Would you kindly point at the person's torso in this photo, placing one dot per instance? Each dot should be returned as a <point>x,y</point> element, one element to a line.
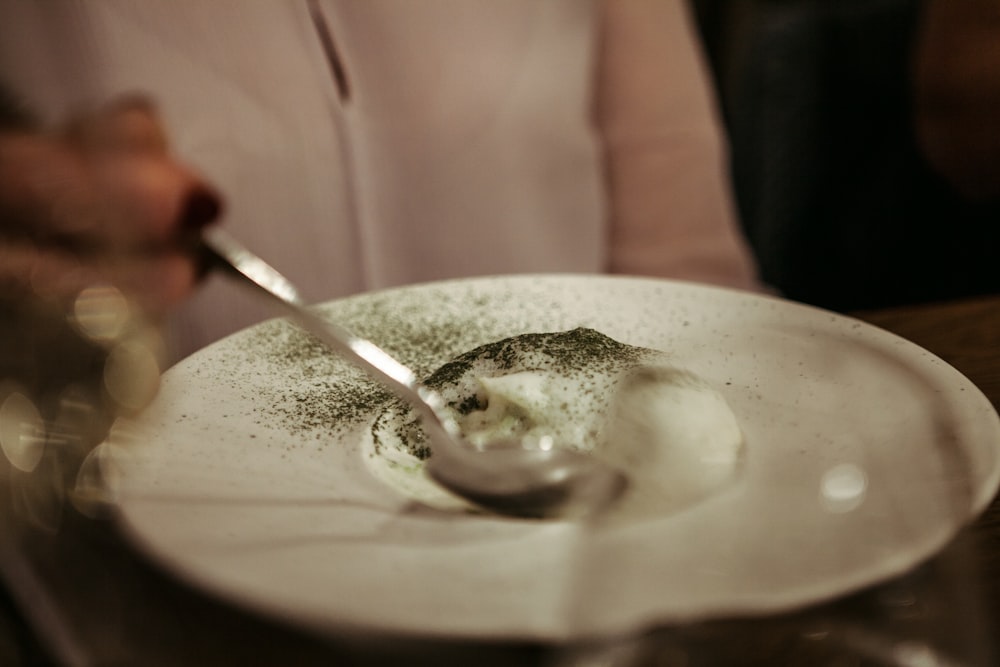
<point>458,141</point>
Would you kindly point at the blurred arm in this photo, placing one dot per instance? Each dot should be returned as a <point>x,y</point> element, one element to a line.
<point>671,207</point>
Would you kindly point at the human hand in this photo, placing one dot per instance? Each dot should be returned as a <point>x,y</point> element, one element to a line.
<point>87,214</point>
<point>102,202</point>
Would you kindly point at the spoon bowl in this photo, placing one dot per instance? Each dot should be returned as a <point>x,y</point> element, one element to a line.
<point>504,477</point>
<point>528,482</point>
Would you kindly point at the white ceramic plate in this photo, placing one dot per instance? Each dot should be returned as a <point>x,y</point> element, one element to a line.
<point>864,455</point>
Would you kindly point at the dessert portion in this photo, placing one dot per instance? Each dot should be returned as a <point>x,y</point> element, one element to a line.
<point>672,433</point>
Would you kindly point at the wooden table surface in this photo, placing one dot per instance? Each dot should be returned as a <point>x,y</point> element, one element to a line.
<point>101,603</point>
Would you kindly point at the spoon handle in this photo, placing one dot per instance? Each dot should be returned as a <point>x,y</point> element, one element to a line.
<point>220,250</point>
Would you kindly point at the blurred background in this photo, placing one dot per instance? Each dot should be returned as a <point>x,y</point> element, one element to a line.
<point>864,144</point>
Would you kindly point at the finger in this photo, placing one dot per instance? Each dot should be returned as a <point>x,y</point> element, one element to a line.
<point>27,271</point>
<point>155,202</point>
<point>157,283</point>
<point>127,125</point>
<point>133,125</point>
<point>45,190</point>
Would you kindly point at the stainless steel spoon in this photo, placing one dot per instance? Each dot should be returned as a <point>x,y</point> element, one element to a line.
<point>503,477</point>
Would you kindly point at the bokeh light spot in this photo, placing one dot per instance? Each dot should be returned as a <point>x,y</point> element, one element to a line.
<point>91,496</point>
<point>843,488</point>
<point>22,431</point>
<point>101,313</point>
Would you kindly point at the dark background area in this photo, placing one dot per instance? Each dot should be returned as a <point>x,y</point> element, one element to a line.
<point>837,200</point>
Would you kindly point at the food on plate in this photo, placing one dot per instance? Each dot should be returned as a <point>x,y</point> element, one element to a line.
<point>671,432</point>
